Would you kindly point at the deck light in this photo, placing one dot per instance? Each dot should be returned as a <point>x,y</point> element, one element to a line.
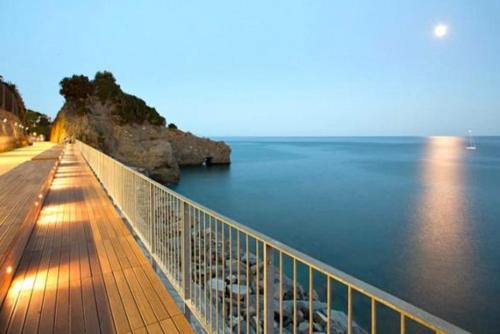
<point>40,196</point>
<point>5,120</point>
<point>9,270</point>
<point>36,203</point>
<point>15,124</point>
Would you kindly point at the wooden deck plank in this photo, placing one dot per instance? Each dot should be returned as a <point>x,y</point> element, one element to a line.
<point>36,303</point>
<point>131,308</point>
<point>167,300</point>
<point>182,324</point>
<point>62,298</point>
<point>154,328</point>
<point>168,326</point>
<point>54,214</point>
<point>117,308</point>
<point>103,305</point>
<point>9,304</point>
<point>26,288</point>
<point>153,298</point>
<point>140,298</point>
<point>89,305</point>
<point>76,307</point>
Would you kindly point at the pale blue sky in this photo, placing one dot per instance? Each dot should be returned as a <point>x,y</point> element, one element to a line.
<point>270,67</point>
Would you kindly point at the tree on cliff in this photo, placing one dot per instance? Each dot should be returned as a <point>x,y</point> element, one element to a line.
<point>76,88</point>
<point>106,86</point>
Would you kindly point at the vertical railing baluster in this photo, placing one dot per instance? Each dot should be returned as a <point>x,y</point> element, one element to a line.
<point>151,220</point>
<point>328,306</point>
<point>373,317</point>
<point>217,275</point>
<point>186,250</point>
<point>281,294</point>
<point>403,323</point>
<point>179,208</point>
<point>238,254</point>
<point>197,260</point>
<point>311,289</point>
<point>191,280</point>
<point>223,257</point>
<point>247,280</point>
<point>257,292</point>
<point>230,249</point>
<point>294,296</point>
<point>210,300</point>
<point>205,265</point>
<point>268,288</point>
<point>170,238</point>
<point>349,310</point>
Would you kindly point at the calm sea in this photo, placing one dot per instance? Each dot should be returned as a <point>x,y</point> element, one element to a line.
<point>417,217</point>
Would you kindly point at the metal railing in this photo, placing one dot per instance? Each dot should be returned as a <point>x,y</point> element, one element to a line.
<point>237,280</point>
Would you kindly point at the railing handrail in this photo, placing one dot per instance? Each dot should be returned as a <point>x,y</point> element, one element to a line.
<point>410,311</point>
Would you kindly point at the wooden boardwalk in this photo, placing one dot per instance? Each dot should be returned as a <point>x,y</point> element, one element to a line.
<point>82,270</point>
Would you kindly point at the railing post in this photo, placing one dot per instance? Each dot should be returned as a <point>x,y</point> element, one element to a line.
<point>268,289</point>
<point>186,251</point>
<point>151,219</point>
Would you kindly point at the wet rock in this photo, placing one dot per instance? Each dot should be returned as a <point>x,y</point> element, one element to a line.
<point>238,292</point>
<point>217,286</point>
<point>250,258</point>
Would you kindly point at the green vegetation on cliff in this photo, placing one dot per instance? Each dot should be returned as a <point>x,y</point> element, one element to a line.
<point>37,123</point>
<point>127,108</point>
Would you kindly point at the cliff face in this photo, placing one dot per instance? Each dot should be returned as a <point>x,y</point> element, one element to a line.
<point>12,113</point>
<point>138,140</point>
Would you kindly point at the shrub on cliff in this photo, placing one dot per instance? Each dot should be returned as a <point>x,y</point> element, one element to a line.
<point>172,126</point>
<point>131,109</point>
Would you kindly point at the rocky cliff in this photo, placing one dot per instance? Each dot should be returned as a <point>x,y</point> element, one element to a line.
<point>100,114</point>
<point>12,112</point>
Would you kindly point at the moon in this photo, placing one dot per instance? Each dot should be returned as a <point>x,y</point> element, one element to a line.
<point>441,30</point>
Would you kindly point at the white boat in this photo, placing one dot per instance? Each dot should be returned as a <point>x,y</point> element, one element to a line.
<point>470,144</point>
